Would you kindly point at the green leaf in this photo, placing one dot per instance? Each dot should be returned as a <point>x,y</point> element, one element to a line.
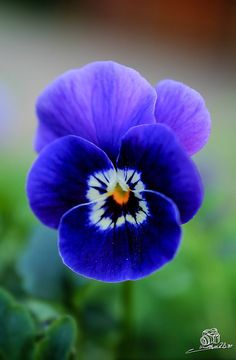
<point>42,311</point>
<point>17,330</point>
<point>59,342</point>
<point>42,271</point>
<point>40,266</point>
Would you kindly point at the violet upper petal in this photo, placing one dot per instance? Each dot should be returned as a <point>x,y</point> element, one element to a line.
<point>98,102</point>
<point>184,111</point>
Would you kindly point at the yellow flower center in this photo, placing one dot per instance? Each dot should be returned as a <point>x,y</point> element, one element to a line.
<point>120,196</point>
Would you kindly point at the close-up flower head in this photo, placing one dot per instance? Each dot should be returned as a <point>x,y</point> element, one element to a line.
<point>113,172</point>
<point>117,211</point>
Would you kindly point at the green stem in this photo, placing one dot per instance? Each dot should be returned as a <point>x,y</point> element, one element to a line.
<point>124,348</point>
<point>127,300</point>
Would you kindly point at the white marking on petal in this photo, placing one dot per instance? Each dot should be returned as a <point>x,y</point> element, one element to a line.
<point>130,219</point>
<point>105,223</point>
<point>109,180</point>
<point>121,179</point>
<point>138,195</point>
<point>135,178</point>
<point>112,185</point>
<point>98,205</point>
<point>143,206</point>
<point>140,217</point>
<point>111,175</point>
<point>120,221</point>
<point>95,215</point>
<point>139,186</point>
<point>100,176</point>
<point>93,182</point>
<point>121,174</point>
<point>93,194</point>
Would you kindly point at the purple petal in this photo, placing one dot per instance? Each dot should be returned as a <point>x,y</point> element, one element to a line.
<point>154,151</point>
<point>58,180</point>
<point>98,102</point>
<point>120,253</point>
<point>184,111</point>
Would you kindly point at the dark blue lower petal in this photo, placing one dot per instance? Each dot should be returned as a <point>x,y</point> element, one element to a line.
<point>58,180</point>
<point>155,152</point>
<point>120,253</point>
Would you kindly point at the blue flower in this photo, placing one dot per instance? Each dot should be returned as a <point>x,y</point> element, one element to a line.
<point>116,182</point>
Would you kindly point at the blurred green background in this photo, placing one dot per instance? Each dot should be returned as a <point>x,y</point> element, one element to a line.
<point>46,312</point>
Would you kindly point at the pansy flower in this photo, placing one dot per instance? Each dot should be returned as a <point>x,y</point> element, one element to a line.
<point>113,173</point>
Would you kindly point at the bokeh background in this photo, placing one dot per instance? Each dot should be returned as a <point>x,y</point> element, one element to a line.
<point>46,312</point>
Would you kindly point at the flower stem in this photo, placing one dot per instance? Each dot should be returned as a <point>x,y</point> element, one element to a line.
<point>127,299</point>
<point>124,348</point>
